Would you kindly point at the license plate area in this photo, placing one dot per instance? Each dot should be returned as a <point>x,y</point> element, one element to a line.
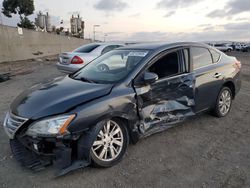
<point>63,61</point>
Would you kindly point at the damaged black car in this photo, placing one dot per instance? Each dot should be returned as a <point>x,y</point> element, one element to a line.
<point>91,116</point>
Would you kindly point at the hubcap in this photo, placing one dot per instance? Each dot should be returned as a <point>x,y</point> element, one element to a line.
<point>225,102</point>
<point>109,142</point>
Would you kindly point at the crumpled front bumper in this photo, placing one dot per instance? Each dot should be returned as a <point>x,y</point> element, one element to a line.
<point>37,153</point>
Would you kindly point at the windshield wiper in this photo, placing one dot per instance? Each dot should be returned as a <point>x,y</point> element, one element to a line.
<point>86,80</point>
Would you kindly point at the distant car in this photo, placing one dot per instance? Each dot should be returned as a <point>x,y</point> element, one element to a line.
<point>72,61</point>
<point>223,47</point>
<point>239,47</point>
<point>92,115</point>
<point>246,48</point>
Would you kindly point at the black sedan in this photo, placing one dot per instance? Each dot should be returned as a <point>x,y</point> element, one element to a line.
<point>92,115</point>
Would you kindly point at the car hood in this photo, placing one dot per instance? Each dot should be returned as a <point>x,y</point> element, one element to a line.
<point>56,96</point>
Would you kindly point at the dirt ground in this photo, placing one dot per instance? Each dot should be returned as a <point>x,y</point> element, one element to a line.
<point>203,152</point>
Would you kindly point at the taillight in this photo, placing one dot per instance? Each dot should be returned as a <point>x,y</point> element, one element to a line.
<point>76,60</point>
<point>238,64</point>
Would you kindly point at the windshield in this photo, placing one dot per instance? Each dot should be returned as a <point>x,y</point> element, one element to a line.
<point>111,67</point>
<point>86,48</point>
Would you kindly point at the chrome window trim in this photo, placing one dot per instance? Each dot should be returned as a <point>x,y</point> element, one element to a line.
<point>172,77</point>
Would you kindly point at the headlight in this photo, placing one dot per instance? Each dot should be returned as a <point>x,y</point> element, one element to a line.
<point>50,127</point>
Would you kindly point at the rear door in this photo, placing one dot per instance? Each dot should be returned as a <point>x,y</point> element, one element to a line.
<point>209,78</point>
<point>171,98</point>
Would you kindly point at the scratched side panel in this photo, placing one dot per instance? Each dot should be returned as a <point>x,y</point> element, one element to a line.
<point>165,103</point>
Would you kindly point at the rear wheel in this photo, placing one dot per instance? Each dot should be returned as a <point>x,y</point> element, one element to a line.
<point>223,103</point>
<point>103,68</point>
<point>110,144</point>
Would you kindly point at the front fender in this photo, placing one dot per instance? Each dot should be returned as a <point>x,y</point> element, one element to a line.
<point>119,103</point>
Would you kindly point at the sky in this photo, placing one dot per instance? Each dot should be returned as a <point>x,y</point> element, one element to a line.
<point>158,20</point>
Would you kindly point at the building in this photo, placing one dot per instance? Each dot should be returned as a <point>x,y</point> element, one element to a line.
<point>43,22</point>
<point>77,26</point>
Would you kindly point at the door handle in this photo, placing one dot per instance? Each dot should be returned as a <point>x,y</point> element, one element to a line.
<point>217,75</point>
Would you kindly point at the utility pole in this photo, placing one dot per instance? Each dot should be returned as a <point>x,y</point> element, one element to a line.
<point>104,37</point>
<point>94,26</point>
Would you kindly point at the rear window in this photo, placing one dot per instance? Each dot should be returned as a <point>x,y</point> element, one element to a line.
<point>201,57</point>
<point>86,48</point>
<point>215,55</point>
<point>109,48</point>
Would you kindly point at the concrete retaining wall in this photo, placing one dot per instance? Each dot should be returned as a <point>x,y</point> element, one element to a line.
<point>15,46</point>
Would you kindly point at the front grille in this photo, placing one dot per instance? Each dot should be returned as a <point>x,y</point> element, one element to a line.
<point>12,123</point>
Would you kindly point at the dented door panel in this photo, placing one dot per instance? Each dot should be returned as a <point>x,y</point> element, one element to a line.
<point>165,102</point>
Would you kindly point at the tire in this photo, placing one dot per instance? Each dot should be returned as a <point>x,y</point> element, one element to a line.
<point>108,148</point>
<point>103,67</point>
<point>229,50</point>
<point>223,102</point>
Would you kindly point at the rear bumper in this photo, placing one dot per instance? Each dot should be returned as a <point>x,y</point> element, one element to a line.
<point>70,68</point>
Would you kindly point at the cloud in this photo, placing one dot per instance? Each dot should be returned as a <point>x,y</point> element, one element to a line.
<point>74,12</point>
<point>238,6</point>
<point>145,36</point>
<point>242,26</point>
<point>135,15</point>
<point>232,8</point>
<point>169,14</point>
<point>168,4</point>
<point>207,27</point>
<point>219,13</point>
<point>242,19</point>
<point>229,32</point>
<point>110,5</point>
<point>105,23</point>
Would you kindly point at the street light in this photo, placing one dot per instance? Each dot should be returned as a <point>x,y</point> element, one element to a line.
<point>94,26</point>
<point>104,37</point>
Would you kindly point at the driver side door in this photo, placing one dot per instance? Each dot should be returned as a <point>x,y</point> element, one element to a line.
<point>171,98</point>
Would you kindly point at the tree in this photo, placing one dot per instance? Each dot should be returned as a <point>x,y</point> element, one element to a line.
<point>22,7</point>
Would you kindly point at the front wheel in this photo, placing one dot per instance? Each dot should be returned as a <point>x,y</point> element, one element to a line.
<point>223,103</point>
<point>110,144</point>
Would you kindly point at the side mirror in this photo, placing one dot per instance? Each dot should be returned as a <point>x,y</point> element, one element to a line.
<point>150,77</point>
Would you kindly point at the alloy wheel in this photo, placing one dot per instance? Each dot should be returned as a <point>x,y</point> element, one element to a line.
<point>225,102</point>
<point>109,142</point>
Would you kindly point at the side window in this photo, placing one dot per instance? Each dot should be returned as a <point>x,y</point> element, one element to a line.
<point>201,57</point>
<point>215,55</point>
<point>108,48</point>
<point>166,66</point>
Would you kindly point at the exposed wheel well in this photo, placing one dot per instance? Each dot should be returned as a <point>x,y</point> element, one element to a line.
<point>133,137</point>
<point>231,86</point>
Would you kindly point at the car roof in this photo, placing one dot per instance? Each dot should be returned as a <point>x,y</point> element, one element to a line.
<point>108,43</point>
<point>157,46</point>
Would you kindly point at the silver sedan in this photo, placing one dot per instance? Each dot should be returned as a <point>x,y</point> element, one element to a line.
<point>72,61</point>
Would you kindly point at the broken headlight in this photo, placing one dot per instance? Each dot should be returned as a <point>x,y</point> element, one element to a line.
<point>51,126</point>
